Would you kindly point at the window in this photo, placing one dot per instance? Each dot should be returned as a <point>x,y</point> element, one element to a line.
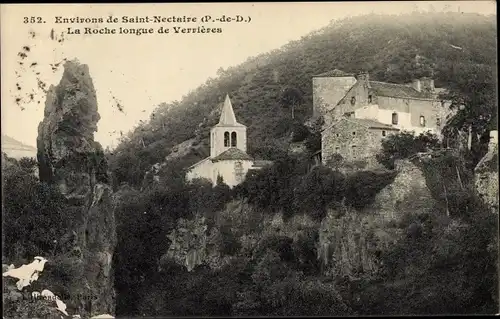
<point>394,118</point>
<point>353,100</point>
<point>226,139</point>
<point>233,139</point>
<point>370,99</point>
<point>354,151</point>
<point>438,122</point>
<point>383,133</point>
<point>353,133</point>
<point>337,135</point>
<point>337,149</point>
<point>348,114</point>
<point>422,120</point>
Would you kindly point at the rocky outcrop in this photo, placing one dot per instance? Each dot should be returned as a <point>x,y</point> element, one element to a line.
<point>192,245</point>
<point>350,243</point>
<point>408,192</point>
<point>486,174</point>
<point>239,225</point>
<point>69,158</point>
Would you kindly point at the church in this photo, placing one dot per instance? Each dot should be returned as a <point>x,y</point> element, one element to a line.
<point>228,152</point>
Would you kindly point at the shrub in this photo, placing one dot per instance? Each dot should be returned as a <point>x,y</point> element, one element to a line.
<point>300,132</point>
<point>404,145</point>
<point>362,187</point>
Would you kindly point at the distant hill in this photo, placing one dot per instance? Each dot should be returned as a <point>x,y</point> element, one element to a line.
<point>15,149</point>
<point>445,46</point>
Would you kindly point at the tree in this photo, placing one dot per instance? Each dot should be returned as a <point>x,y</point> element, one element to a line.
<point>291,97</point>
<point>35,214</point>
<point>28,163</point>
<point>404,145</point>
<point>472,95</point>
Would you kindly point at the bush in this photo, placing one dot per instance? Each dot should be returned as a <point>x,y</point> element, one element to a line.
<point>300,132</point>
<point>362,187</point>
<point>317,190</point>
<point>404,145</point>
<point>230,243</point>
<point>35,214</point>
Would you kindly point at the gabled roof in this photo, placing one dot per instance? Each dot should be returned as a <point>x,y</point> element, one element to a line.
<point>232,153</point>
<point>227,117</point>
<point>396,90</point>
<point>334,73</point>
<point>364,122</point>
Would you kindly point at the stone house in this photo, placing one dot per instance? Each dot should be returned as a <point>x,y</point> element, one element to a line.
<point>415,107</point>
<point>228,152</point>
<point>356,140</point>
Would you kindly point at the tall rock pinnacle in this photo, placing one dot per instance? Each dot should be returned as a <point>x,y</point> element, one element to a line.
<point>69,157</point>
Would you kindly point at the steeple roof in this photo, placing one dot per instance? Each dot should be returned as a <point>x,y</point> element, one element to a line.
<point>227,117</point>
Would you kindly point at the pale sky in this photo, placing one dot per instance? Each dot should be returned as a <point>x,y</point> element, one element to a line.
<point>143,71</point>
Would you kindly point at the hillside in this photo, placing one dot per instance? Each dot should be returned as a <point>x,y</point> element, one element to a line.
<point>453,48</point>
<point>15,149</point>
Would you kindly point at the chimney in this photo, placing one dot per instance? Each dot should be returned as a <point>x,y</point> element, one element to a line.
<point>416,85</point>
<point>427,85</point>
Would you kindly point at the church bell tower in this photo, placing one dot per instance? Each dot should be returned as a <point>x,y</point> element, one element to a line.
<point>228,133</point>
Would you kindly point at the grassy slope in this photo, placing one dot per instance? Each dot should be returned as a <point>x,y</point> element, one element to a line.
<point>385,46</point>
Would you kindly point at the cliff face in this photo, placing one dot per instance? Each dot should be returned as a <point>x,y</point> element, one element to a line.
<point>350,245</point>
<point>408,192</point>
<point>69,157</point>
<point>486,175</point>
<point>194,243</point>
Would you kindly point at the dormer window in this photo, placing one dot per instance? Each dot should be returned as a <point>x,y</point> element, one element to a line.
<point>353,100</point>
<point>395,118</point>
<point>370,99</point>
<point>422,121</point>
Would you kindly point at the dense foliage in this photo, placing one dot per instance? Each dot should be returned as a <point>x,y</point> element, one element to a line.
<point>405,145</point>
<point>442,265</point>
<point>289,186</point>
<point>34,212</point>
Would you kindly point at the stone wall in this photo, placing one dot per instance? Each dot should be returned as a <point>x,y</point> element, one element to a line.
<point>360,93</point>
<point>327,92</point>
<point>339,139</point>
